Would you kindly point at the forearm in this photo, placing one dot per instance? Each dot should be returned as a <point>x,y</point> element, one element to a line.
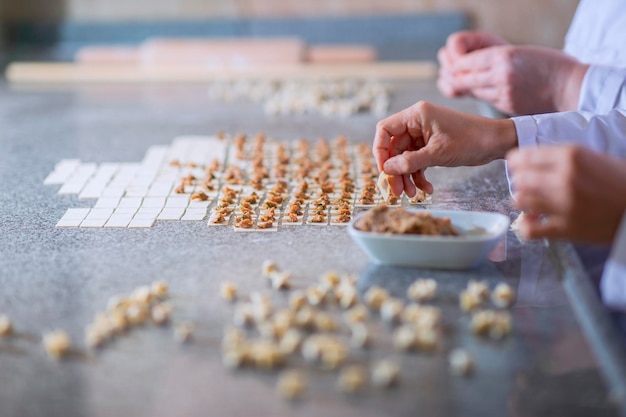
<point>568,87</point>
<point>502,137</point>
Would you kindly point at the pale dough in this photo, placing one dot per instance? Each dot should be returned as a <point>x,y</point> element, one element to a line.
<point>383,186</point>
<point>515,224</point>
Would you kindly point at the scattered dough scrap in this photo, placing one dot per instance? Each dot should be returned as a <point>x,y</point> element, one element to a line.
<point>357,314</point>
<point>159,289</point>
<point>503,295</point>
<point>474,295</point>
<point>56,343</point>
<point>422,290</point>
<point>265,354</point>
<point>359,335</point>
<point>161,313</point>
<point>385,373</point>
<point>276,330</point>
<point>268,267</point>
<point>461,363</point>
<point>374,297</point>
<point>495,325</point>
<point>291,385</point>
<point>183,332</point>
<point>352,379</point>
<point>6,326</point>
<point>391,310</point>
<point>228,291</point>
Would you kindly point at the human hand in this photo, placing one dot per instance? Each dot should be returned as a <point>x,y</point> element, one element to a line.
<point>580,194</point>
<point>514,79</point>
<point>457,45</point>
<point>426,135</point>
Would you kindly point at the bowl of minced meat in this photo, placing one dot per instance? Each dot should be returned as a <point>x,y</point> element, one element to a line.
<point>440,239</point>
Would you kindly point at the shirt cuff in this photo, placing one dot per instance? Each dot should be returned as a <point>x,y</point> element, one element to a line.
<point>526,128</point>
<point>600,88</point>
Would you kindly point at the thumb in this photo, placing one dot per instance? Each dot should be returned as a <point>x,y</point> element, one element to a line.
<point>462,43</point>
<point>409,162</point>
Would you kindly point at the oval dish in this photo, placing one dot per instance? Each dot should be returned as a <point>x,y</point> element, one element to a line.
<point>438,252</point>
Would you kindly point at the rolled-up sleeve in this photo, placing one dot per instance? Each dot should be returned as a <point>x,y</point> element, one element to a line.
<point>603,89</point>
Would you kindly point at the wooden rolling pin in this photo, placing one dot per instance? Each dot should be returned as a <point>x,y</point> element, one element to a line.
<point>24,72</point>
<point>218,53</point>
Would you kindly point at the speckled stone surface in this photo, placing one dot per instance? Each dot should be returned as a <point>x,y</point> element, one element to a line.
<point>59,278</point>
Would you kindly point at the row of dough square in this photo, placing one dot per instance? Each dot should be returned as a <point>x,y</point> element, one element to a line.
<point>248,183</point>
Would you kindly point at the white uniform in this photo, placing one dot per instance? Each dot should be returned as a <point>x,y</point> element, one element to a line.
<point>597,36</point>
<point>604,133</point>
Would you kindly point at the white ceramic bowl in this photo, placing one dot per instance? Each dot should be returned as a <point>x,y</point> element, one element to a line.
<point>438,252</point>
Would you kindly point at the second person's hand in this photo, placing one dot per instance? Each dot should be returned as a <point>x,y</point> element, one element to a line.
<point>580,194</point>
<point>520,79</point>
<point>457,45</point>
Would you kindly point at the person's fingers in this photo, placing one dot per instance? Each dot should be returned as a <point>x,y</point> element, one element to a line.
<point>444,57</point>
<point>380,147</point>
<point>544,157</point>
<point>420,181</point>
<point>537,186</point>
<point>539,200</point>
<point>491,95</point>
<point>479,60</point>
<point>445,88</point>
<point>551,227</point>
<point>458,44</point>
<point>519,158</point>
<point>448,85</point>
<point>532,179</point>
<point>397,126</point>
<point>463,42</point>
<point>407,185</point>
<point>409,162</point>
<point>475,80</point>
<point>531,216</point>
<point>399,144</point>
<point>382,139</point>
<point>399,164</point>
<point>396,184</point>
<point>455,44</point>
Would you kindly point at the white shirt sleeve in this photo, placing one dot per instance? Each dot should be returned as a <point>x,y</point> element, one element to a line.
<point>596,34</point>
<point>603,89</point>
<point>613,282</point>
<point>602,133</point>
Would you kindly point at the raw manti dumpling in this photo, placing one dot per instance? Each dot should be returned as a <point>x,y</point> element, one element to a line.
<point>516,223</point>
<point>383,186</point>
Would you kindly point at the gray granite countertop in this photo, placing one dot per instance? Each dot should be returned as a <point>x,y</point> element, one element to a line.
<point>59,278</point>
